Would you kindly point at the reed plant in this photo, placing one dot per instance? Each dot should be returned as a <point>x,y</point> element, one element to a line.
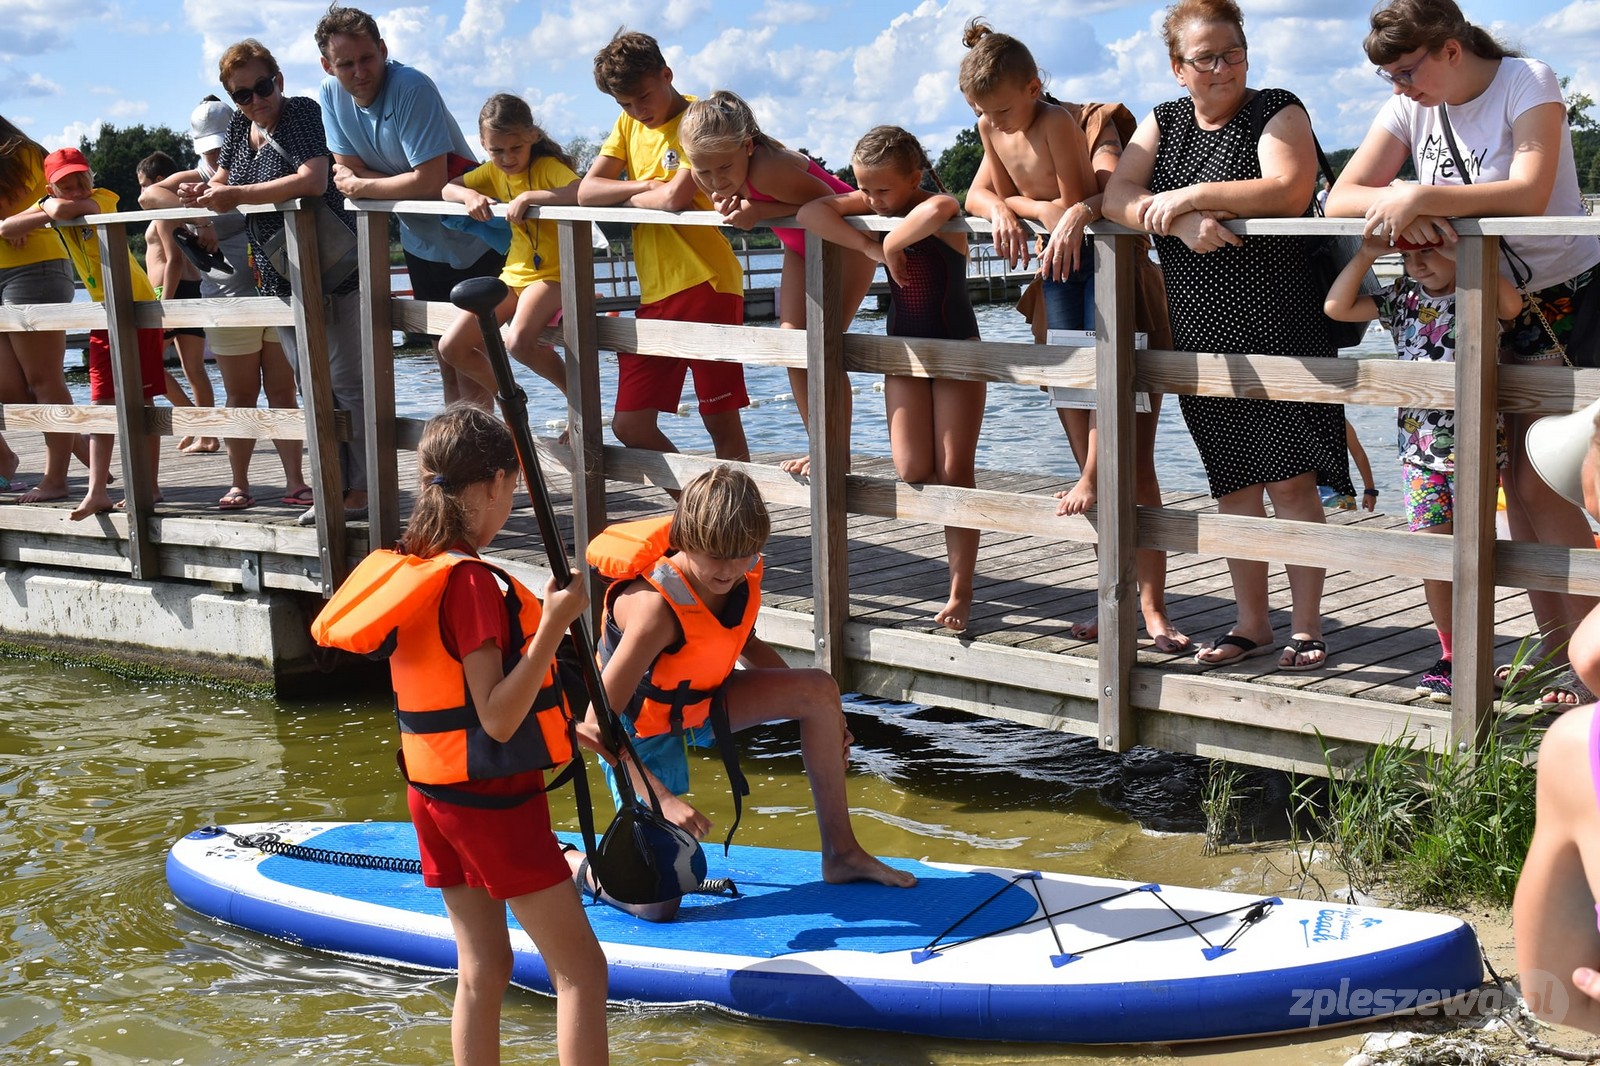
<point>1433,827</point>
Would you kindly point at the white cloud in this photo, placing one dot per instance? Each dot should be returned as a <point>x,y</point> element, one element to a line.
<point>788,13</point>
<point>72,135</point>
<point>123,110</point>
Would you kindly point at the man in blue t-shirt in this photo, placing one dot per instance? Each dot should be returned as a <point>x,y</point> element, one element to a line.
<point>393,139</point>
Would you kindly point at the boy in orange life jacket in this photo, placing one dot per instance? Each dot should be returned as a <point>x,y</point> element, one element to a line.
<point>690,615</point>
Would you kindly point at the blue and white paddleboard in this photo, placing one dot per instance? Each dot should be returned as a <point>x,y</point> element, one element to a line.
<point>976,952</point>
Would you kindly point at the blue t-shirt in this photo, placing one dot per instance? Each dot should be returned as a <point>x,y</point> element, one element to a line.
<point>407,125</point>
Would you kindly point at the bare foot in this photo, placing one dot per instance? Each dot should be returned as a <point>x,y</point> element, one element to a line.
<point>185,444</point>
<point>859,866</point>
<point>202,445</point>
<point>43,494</point>
<point>1166,635</point>
<point>8,463</point>
<point>954,617</point>
<point>1089,630</point>
<point>93,503</point>
<point>1075,500</point>
<point>800,467</point>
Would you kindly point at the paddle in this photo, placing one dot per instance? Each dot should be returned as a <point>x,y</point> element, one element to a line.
<point>643,858</point>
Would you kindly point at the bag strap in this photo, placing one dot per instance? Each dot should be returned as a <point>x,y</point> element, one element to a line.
<point>1258,125</point>
<point>1520,274</point>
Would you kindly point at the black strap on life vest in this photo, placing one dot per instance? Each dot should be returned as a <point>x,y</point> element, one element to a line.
<point>722,730</point>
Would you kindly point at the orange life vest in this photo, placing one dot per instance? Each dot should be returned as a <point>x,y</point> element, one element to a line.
<point>676,691</point>
<point>389,607</point>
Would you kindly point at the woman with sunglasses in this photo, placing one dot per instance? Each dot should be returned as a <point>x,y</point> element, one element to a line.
<point>1452,81</point>
<point>1228,151</point>
<point>275,150</point>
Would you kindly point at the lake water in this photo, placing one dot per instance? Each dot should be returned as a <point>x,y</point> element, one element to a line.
<point>99,774</point>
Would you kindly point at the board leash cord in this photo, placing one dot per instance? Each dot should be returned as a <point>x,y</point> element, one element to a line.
<point>273,844</point>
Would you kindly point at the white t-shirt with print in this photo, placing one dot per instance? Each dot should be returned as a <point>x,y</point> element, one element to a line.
<point>1483,136</point>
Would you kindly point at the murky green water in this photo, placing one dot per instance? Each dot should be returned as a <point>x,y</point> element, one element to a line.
<point>99,775</point>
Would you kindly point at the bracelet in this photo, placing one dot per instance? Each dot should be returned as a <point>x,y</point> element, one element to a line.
<point>1093,214</point>
<point>1370,492</point>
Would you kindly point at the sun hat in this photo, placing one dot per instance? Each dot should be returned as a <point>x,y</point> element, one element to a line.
<point>63,161</point>
<point>1557,446</point>
<point>208,124</point>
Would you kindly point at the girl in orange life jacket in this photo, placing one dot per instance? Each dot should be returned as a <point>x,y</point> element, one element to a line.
<point>716,535</point>
<point>484,858</point>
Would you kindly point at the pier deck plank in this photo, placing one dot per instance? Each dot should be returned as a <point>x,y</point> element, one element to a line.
<point>1029,590</point>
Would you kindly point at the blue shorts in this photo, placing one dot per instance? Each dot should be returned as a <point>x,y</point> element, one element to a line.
<point>666,756</point>
<point>1069,304</point>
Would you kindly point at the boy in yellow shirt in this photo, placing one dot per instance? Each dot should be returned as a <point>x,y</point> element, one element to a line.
<point>686,273</point>
<point>73,195</point>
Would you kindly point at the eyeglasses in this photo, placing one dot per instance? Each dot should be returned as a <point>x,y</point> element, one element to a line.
<point>263,88</point>
<point>1208,63</point>
<point>1402,78</point>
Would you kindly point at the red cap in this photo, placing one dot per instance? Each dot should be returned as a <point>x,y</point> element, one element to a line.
<point>63,161</point>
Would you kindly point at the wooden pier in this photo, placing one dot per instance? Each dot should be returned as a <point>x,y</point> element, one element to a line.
<point>856,561</point>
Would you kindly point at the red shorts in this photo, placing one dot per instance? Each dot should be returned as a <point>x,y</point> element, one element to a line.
<point>655,383</point>
<point>507,853</point>
<point>152,371</point>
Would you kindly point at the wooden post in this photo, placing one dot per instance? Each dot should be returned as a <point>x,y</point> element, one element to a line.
<point>377,378</point>
<point>316,387</point>
<point>828,396</point>
<point>583,387</point>
<point>1115,517</point>
<point>1477,386</point>
<point>138,488</point>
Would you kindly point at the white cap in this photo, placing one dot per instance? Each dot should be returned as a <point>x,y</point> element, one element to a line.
<point>1557,446</point>
<point>208,124</point>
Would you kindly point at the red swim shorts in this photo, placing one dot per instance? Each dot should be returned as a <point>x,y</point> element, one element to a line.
<point>655,383</point>
<point>507,853</point>
<point>102,387</point>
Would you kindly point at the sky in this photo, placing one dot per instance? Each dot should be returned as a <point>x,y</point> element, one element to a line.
<point>818,74</point>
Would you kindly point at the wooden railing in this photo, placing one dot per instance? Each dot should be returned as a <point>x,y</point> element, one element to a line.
<point>1120,703</point>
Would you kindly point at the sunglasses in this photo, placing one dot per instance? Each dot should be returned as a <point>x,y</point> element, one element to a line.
<point>263,88</point>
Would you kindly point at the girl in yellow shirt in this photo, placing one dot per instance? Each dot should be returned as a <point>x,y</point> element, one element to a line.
<point>526,169</point>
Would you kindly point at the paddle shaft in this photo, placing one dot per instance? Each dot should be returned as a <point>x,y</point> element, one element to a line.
<point>481,296</point>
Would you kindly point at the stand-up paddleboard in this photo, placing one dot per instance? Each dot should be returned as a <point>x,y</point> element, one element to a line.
<point>974,952</point>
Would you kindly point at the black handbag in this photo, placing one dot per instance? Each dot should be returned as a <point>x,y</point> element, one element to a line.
<point>1327,255</point>
<point>1583,345</point>
<point>336,242</point>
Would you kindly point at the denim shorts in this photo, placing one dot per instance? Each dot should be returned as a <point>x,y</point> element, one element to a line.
<point>49,282</point>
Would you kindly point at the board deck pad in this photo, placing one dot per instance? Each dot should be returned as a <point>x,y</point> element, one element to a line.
<point>971,952</point>
<point>783,905</point>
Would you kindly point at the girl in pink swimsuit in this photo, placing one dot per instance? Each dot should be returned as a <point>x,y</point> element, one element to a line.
<point>752,178</point>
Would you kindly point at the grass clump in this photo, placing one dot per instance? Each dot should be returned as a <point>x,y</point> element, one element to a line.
<point>1437,826</point>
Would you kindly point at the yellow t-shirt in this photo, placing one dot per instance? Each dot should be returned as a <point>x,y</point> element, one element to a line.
<point>41,245</point>
<point>83,248</point>
<point>670,259</point>
<point>534,254</point>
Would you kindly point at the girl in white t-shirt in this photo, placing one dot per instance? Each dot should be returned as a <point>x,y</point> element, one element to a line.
<point>1509,122</point>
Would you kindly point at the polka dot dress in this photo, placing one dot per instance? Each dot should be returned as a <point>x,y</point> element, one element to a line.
<point>1253,299</point>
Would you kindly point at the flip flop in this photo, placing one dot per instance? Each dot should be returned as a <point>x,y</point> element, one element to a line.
<point>301,497</point>
<point>1303,646</point>
<point>1248,649</point>
<point>1509,674</point>
<point>235,500</point>
<point>1566,682</point>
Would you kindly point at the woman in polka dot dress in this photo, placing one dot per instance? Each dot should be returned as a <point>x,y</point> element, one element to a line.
<point>1227,151</point>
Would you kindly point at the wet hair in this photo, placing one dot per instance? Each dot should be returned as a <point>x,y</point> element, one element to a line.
<point>157,166</point>
<point>721,515</point>
<point>461,447</point>
<point>628,58</point>
<point>20,158</point>
<point>508,113</point>
<point>1180,14</point>
<point>1402,26</point>
<point>347,21</point>
<point>993,61</point>
<point>246,51</point>
<point>720,122</point>
<point>893,146</point>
